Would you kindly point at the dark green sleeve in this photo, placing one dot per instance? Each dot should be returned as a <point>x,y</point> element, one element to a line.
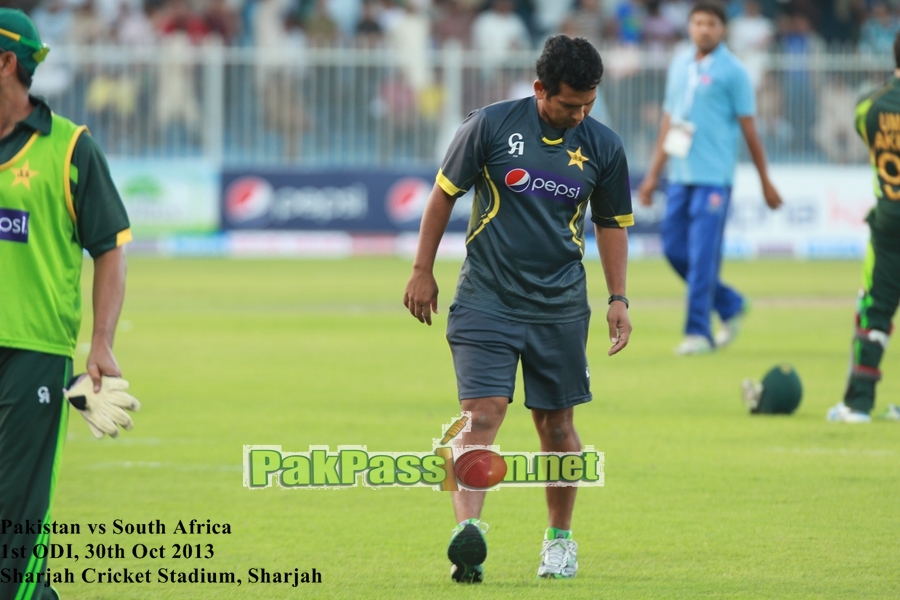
<point>466,155</point>
<point>611,198</point>
<point>99,212</point>
<point>859,119</point>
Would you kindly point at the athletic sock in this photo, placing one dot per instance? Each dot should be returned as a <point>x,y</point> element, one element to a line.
<point>558,534</point>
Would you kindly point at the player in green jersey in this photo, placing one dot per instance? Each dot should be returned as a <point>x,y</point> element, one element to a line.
<point>878,123</point>
<point>57,199</point>
<point>536,164</point>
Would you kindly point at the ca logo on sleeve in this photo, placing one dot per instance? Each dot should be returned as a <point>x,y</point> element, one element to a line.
<point>43,395</point>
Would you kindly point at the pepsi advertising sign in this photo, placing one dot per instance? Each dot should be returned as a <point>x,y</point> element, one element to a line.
<point>363,201</point>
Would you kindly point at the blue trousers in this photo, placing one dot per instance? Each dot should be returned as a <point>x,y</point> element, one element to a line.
<point>692,233</point>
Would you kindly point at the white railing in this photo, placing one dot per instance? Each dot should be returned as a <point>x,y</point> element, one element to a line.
<point>372,107</point>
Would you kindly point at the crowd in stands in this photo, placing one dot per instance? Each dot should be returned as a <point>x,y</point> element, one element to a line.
<point>495,25</point>
<point>801,112</point>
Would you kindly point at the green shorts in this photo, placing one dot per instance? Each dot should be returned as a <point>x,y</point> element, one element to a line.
<point>487,349</point>
<point>33,418</point>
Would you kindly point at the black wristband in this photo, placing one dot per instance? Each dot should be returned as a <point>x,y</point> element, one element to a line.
<point>615,297</point>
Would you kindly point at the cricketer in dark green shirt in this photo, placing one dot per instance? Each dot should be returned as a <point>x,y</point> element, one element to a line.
<point>532,183</point>
<point>878,123</point>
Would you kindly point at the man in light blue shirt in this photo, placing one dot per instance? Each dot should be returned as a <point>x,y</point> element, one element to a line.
<point>709,99</point>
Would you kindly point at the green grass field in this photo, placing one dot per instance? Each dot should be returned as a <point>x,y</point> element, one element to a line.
<point>701,500</point>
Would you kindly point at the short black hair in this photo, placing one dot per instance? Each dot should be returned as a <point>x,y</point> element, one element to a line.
<point>897,50</point>
<point>712,7</point>
<point>573,61</point>
<point>22,74</point>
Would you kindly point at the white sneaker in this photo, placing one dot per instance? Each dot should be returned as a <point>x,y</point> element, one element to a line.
<point>559,559</point>
<point>841,413</point>
<point>751,392</point>
<point>729,330</point>
<point>892,414</point>
<point>693,344</point>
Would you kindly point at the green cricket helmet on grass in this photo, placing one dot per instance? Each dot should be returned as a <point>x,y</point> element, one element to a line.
<point>779,392</point>
<point>19,35</point>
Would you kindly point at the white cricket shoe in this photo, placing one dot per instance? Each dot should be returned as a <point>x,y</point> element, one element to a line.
<point>693,344</point>
<point>892,414</point>
<point>729,330</point>
<point>751,392</point>
<point>559,559</point>
<point>841,413</point>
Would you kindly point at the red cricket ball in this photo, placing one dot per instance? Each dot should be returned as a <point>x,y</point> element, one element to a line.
<point>480,468</point>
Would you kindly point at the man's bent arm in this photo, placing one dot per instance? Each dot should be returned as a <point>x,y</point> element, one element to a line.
<point>422,290</point>
<point>612,243</point>
<point>758,154</point>
<point>109,294</point>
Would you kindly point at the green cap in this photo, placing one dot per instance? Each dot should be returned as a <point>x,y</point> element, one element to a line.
<point>18,34</point>
<point>781,391</point>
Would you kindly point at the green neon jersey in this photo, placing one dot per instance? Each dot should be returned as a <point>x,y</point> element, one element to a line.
<point>40,255</point>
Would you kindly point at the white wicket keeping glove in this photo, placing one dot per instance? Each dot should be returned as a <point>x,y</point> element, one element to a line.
<point>102,410</point>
